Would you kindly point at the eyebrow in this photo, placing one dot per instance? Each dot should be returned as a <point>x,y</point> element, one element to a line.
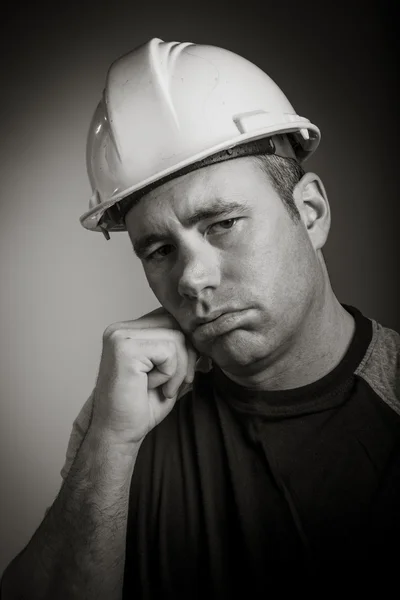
<point>222,208</point>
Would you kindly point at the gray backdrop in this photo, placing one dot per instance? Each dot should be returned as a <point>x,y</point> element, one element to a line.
<point>61,286</point>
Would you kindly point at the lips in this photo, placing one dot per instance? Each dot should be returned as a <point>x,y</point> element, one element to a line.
<point>201,321</point>
<point>222,322</point>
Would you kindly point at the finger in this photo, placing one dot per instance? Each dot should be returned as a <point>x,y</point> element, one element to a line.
<point>165,365</point>
<point>192,359</point>
<point>171,388</point>
<point>165,373</point>
<point>158,318</point>
<point>162,373</point>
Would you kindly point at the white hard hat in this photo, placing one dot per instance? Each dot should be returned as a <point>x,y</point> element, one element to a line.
<point>169,107</point>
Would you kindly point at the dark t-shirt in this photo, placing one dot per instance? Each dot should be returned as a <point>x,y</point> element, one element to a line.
<point>234,484</point>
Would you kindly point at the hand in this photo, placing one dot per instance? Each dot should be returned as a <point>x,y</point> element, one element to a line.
<point>143,365</point>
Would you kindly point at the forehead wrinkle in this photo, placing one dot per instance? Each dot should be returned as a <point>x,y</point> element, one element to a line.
<point>197,187</point>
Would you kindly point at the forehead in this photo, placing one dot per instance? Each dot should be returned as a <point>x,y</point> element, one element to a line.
<point>238,182</point>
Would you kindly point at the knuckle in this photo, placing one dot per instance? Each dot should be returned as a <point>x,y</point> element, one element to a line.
<point>133,340</point>
<point>178,335</point>
<point>140,347</point>
<point>167,349</point>
<point>114,335</point>
<point>171,348</point>
<point>110,331</point>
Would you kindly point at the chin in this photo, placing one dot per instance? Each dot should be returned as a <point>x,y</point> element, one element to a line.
<point>238,348</point>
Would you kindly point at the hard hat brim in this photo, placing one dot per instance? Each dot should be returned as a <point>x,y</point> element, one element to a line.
<point>90,219</point>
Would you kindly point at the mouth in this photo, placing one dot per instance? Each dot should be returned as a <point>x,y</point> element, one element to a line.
<point>218,324</point>
<point>203,321</point>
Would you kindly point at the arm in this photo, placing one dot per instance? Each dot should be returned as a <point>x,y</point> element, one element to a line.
<point>79,549</point>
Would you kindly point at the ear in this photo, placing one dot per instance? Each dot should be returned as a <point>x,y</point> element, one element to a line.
<point>312,203</point>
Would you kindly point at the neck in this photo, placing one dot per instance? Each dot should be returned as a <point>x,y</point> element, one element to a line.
<point>321,344</point>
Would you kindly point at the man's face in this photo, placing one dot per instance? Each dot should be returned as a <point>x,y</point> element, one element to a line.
<point>219,241</point>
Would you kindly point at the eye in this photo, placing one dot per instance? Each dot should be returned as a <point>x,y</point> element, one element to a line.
<point>160,252</point>
<point>224,225</point>
<point>163,251</point>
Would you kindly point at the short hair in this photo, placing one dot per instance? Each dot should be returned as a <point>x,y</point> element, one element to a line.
<point>283,174</point>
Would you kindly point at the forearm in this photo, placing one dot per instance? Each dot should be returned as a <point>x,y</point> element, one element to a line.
<point>79,549</point>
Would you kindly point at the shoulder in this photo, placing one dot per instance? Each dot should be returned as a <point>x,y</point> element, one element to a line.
<point>381,364</point>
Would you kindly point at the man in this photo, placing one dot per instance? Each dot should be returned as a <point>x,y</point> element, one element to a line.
<point>252,422</point>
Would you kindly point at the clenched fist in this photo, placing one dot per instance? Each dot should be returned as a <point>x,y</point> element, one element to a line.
<point>143,365</point>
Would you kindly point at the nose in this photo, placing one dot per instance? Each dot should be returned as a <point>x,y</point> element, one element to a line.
<point>198,269</point>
